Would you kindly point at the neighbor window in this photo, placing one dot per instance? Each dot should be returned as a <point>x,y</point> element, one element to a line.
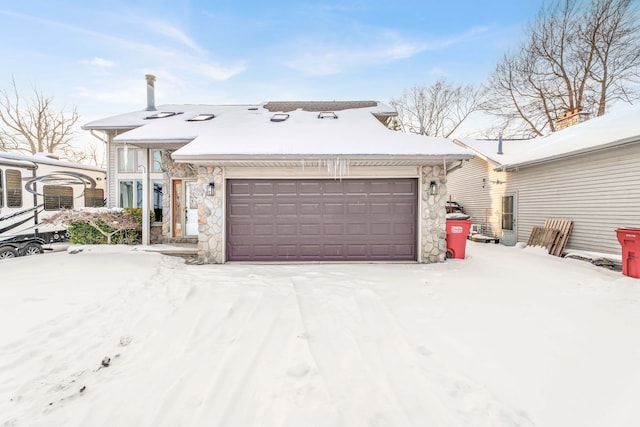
<point>14,188</point>
<point>93,197</point>
<point>57,197</point>
<point>507,213</point>
<point>130,160</point>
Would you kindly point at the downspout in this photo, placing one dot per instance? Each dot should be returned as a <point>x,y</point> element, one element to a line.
<point>456,167</point>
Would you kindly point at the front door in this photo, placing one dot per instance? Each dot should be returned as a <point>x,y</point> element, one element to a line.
<point>509,224</point>
<point>185,209</point>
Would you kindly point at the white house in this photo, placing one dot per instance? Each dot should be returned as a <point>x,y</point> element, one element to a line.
<point>588,173</point>
<point>283,181</point>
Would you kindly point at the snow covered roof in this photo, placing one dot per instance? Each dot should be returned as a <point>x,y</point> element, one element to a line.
<point>488,148</point>
<point>610,130</point>
<point>302,129</point>
<point>32,160</point>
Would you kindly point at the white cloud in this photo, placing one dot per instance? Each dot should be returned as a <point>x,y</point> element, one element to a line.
<point>173,33</point>
<point>101,62</point>
<point>383,46</point>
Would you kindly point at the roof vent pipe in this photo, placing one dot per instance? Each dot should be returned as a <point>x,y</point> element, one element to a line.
<point>151,92</point>
<point>500,144</point>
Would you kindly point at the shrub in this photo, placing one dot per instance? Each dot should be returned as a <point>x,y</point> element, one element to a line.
<point>103,225</point>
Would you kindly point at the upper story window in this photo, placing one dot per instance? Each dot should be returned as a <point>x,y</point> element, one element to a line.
<point>130,160</point>
<point>156,160</point>
<point>14,188</point>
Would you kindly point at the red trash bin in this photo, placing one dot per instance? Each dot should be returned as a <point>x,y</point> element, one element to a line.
<point>629,238</point>
<point>457,232</point>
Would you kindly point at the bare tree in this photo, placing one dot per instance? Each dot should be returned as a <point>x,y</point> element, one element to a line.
<point>574,57</point>
<point>436,110</point>
<point>34,126</point>
<point>92,153</point>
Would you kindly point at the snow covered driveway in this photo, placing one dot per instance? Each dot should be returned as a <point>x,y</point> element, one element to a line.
<point>115,336</point>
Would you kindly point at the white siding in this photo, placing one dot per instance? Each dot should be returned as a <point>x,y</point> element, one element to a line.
<point>479,189</point>
<point>599,192</point>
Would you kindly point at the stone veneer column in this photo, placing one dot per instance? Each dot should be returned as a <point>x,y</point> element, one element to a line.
<point>433,216</point>
<point>210,216</point>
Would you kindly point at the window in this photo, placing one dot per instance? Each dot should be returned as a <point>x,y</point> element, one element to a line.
<point>162,115</point>
<point>156,160</point>
<point>93,197</point>
<point>279,117</point>
<point>1,191</point>
<point>14,188</point>
<point>201,118</point>
<point>507,213</point>
<point>57,197</point>
<point>130,159</point>
<point>157,200</point>
<point>327,115</point>
<point>127,198</point>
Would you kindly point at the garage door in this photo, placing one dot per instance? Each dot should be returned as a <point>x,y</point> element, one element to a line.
<point>321,220</point>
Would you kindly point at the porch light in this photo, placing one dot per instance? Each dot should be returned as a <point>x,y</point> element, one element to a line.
<point>211,189</point>
<point>433,188</point>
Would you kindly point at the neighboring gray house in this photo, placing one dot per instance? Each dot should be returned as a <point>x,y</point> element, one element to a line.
<point>282,181</point>
<point>588,173</point>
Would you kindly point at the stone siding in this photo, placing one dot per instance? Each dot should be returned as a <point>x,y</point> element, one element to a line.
<point>210,217</point>
<point>433,216</point>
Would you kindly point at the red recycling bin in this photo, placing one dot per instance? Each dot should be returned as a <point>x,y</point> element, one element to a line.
<point>629,238</point>
<point>457,232</point>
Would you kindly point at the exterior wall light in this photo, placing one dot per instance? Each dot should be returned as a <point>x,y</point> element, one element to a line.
<point>211,189</point>
<point>433,188</point>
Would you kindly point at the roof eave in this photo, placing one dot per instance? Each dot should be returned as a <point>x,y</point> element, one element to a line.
<point>619,143</point>
<point>358,159</point>
<point>108,128</point>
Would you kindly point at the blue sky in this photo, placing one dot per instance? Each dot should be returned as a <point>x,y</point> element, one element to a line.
<point>94,54</point>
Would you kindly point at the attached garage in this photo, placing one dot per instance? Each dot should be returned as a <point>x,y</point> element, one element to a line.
<point>322,219</point>
<point>288,181</point>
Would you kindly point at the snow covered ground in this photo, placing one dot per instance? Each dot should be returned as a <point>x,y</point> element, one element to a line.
<point>116,336</point>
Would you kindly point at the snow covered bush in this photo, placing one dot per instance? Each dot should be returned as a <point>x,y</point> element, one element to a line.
<point>101,225</point>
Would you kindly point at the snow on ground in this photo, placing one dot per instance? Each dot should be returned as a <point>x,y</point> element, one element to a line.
<point>116,336</point>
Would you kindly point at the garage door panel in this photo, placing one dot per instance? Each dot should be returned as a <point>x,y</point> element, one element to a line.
<point>306,208</point>
<point>310,188</point>
<point>262,189</point>
<point>380,229</point>
<point>264,209</point>
<point>404,208</point>
<point>323,220</point>
<point>287,209</point>
<point>286,188</point>
<point>333,208</point>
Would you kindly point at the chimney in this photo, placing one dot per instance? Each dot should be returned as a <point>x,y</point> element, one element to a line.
<point>151,92</point>
<point>500,144</point>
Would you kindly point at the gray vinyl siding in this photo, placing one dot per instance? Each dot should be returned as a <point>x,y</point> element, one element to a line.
<point>475,186</point>
<point>599,192</point>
